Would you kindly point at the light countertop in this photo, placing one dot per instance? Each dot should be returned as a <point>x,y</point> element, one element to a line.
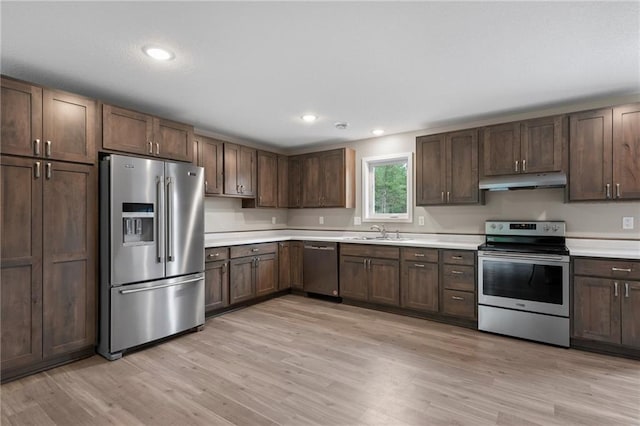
<point>625,249</point>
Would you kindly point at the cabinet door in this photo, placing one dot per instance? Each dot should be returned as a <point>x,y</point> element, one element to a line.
<point>462,167</point>
<point>283,181</point>
<point>267,179</point>
<point>295,182</point>
<point>353,277</point>
<point>311,191</point>
<point>419,286</point>
<point>297,260</point>
<point>69,127</point>
<point>501,149</point>
<point>384,281</point>
<point>631,313</point>
<point>173,140</point>
<point>21,261</point>
<point>241,280</point>
<point>231,176</point>
<point>430,170</point>
<point>284,265</point>
<point>210,157</point>
<point>541,144</point>
<point>596,309</point>
<point>21,119</point>
<point>216,286</point>
<point>626,152</point>
<point>127,131</point>
<point>332,178</point>
<point>266,274</point>
<point>247,173</point>
<point>69,253</point>
<point>590,155</point>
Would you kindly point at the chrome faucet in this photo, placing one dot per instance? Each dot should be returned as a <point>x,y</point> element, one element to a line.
<point>381,229</point>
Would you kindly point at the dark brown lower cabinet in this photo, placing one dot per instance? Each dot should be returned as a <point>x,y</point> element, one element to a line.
<point>297,253</point>
<point>252,276</point>
<point>384,281</point>
<point>48,271</point>
<point>353,278</point>
<point>606,301</point>
<point>266,274</point>
<point>419,286</point>
<point>216,285</point>
<point>284,265</point>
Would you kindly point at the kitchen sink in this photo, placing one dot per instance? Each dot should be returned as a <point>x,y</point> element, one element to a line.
<point>378,239</point>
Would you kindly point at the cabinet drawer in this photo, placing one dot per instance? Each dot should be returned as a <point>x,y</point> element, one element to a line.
<point>609,268</point>
<point>459,277</point>
<point>216,253</point>
<point>458,257</point>
<point>365,250</point>
<point>419,254</point>
<point>253,250</point>
<point>459,303</point>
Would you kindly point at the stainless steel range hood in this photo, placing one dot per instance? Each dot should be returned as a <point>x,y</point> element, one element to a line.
<point>529,181</point>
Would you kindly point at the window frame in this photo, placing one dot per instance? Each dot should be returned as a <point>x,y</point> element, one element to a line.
<point>368,213</point>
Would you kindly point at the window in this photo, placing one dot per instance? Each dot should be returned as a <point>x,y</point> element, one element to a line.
<point>386,188</point>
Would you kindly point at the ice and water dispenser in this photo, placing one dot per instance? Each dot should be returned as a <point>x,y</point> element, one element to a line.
<point>137,223</point>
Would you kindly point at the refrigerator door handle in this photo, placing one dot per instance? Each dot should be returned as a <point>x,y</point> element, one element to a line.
<point>138,290</point>
<point>169,220</point>
<point>159,227</point>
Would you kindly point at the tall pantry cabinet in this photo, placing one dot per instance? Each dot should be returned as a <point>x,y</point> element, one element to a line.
<point>48,208</point>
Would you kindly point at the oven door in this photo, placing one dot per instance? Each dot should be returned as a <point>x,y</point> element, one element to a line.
<point>524,282</point>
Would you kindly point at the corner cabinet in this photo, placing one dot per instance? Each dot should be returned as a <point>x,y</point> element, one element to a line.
<point>328,178</point>
<point>532,146</point>
<point>447,169</point>
<point>134,132</point>
<point>604,152</point>
<point>47,124</point>
<point>49,275</point>
<point>606,303</point>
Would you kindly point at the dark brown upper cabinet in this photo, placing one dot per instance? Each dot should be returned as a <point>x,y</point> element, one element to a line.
<point>295,182</point>
<point>134,132</point>
<point>267,181</point>
<point>604,152</point>
<point>47,123</point>
<point>283,181</point>
<point>447,168</point>
<point>239,170</point>
<point>531,146</point>
<point>328,178</point>
<point>210,157</point>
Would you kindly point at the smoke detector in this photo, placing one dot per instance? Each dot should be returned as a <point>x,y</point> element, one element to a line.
<point>341,125</point>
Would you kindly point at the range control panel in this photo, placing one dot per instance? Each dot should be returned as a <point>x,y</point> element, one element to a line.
<point>501,227</point>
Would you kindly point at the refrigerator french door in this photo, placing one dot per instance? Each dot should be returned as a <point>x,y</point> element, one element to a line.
<point>152,251</point>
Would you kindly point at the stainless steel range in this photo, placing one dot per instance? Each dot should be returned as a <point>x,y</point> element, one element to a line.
<point>523,281</point>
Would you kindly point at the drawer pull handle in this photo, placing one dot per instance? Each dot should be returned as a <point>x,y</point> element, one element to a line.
<point>615,289</point>
<point>456,257</point>
<point>419,265</point>
<point>36,148</point>
<point>253,250</point>
<point>626,289</point>
<point>614,269</point>
<point>457,272</point>
<point>608,191</point>
<point>48,154</point>
<point>457,298</point>
<point>37,170</point>
<point>213,255</point>
<point>419,254</point>
<point>618,190</point>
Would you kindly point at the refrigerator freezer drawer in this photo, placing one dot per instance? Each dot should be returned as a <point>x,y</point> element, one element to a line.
<point>146,312</point>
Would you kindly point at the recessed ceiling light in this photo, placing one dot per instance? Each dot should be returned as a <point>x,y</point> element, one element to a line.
<point>158,53</point>
<point>309,118</point>
<point>378,132</point>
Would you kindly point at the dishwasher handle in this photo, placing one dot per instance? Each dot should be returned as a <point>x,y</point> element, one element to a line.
<point>327,248</point>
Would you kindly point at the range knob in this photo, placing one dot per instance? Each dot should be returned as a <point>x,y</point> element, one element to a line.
<point>546,228</point>
<point>555,228</point>
<point>493,226</point>
<point>500,226</point>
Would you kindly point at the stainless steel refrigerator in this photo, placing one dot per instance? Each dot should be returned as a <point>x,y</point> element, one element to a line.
<point>151,253</point>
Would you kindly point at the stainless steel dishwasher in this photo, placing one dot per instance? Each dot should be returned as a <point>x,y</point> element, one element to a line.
<point>320,268</point>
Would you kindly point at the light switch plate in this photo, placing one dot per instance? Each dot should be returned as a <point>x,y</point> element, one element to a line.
<point>357,220</point>
<point>421,220</point>
<point>627,222</point>
<point>321,220</point>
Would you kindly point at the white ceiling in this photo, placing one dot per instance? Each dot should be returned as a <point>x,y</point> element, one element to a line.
<point>250,70</point>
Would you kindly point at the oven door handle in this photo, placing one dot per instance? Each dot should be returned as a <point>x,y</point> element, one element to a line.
<point>506,256</point>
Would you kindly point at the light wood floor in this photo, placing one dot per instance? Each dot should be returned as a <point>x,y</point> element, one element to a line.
<point>299,361</point>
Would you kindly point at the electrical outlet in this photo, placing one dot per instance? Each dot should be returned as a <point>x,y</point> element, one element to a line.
<point>273,220</point>
<point>321,220</point>
<point>627,222</point>
<point>357,220</point>
<point>421,220</point>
